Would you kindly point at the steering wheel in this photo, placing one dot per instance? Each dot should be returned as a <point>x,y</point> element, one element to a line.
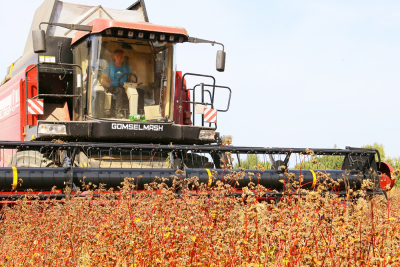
<point>126,74</point>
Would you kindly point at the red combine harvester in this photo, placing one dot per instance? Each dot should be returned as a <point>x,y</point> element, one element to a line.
<point>96,97</point>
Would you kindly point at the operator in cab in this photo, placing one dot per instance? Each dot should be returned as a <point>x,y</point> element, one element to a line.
<point>115,70</point>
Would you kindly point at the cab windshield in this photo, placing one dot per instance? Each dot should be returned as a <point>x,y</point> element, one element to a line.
<point>126,79</point>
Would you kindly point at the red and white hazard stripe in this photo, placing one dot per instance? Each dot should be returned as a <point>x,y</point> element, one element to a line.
<point>35,106</point>
<point>210,115</point>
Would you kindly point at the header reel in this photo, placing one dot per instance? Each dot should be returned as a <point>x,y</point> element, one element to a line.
<point>45,165</point>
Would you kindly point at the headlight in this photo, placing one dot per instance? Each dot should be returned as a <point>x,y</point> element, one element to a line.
<point>207,134</point>
<point>52,129</point>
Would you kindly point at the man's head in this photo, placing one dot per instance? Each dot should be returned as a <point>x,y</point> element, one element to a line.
<point>118,57</point>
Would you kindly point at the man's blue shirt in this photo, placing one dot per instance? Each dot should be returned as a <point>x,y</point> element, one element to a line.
<point>115,72</point>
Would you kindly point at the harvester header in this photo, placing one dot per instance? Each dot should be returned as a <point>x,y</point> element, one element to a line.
<point>96,97</point>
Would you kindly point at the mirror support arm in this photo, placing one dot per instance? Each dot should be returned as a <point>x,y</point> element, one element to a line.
<point>74,27</point>
<point>220,53</point>
<point>39,38</point>
<point>199,41</point>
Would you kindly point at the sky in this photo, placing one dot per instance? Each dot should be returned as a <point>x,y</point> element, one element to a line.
<point>303,73</point>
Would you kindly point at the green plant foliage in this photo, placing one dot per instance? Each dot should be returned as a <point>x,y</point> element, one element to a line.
<point>335,162</point>
<point>321,163</point>
<point>206,227</point>
<point>251,162</point>
<point>380,149</point>
<point>394,161</point>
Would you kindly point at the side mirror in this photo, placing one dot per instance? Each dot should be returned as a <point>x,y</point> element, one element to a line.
<point>221,60</point>
<point>39,41</point>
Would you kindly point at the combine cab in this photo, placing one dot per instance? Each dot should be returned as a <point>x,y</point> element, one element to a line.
<point>111,81</point>
<point>95,98</point>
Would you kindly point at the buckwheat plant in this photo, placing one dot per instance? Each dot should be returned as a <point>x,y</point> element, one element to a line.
<point>204,226</point>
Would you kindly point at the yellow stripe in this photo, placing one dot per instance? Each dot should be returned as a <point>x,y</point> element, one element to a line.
<point>11,68</point>
<point>15,178</point>
<point>209,178</point>
<point>314,178</point>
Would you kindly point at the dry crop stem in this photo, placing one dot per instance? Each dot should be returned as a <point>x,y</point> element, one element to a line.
<point>150,229</point>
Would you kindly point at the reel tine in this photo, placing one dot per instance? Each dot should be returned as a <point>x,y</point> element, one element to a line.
<point>89,156</point>
<point>333,162</point>
<point>73,156</point>
<point>130,156</point>
<point>58,152</point>
<point>40,151</point>
<point>306,162</point>
<point>263,159</point>
<point>120,157</point>
<point>151,159</point>
<point>183,160</point>
<point>110,155</point>
<point>141,163</point>
<point>255,153</point>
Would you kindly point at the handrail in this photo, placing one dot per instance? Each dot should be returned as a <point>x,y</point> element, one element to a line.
<point>183,81</point>
<point>230,95</point>
<point>201,103</point>
<point>37,84</point>
<point>204,103</point>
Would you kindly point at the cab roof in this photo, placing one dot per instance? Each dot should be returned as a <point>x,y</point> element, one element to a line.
<point>100,25</point>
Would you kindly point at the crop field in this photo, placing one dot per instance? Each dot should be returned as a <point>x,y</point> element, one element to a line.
<point>156,228</point>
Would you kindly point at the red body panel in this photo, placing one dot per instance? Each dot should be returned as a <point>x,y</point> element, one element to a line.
<point>386,181</point>
<point>13,109</point>
<point>186,114</point>
<point>10,126</point>
<point>10,110</point>
<point>32,91</point>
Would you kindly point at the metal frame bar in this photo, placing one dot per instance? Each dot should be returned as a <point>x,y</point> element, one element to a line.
<point>113,175</point>
<point>202,103</point>
<point>182,84</point>
<point>230,95</point>
<point>37,85</point>
<point>37,145</point>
